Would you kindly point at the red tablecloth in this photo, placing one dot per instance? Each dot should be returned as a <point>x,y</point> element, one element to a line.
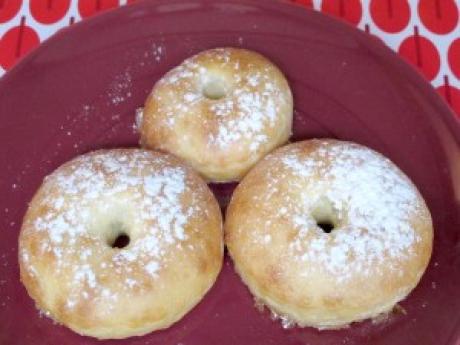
<point>425,32</point>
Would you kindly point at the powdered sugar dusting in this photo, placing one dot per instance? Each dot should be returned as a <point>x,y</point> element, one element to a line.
<point>254,113</point>
<point>369,201</point>
<point>156,52</point>
<point>152,268</point>
<point>120,89</point>
<point>100,195</point>
<point>139,118</point>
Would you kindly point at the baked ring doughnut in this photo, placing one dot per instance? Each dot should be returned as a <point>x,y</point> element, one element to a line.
<point>325,233</point>
<point>121,242</point>
<point>220,110</point>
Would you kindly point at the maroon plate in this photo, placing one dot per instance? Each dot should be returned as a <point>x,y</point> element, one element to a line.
<point>79,90</point>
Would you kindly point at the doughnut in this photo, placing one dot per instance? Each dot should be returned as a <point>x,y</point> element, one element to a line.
<point>117,243</point>
<point>325,233</point>
<point>221,110</point>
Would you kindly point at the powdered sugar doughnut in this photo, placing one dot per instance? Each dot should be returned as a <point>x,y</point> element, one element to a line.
<point>117,243</point>
<point>221,110</point>
<point>326,232</point>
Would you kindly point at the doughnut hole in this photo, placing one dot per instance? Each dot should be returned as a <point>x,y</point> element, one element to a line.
<point>324,215</point>
<point>215,86</point>
<point>214,89</point>
<point>117,235</point>
<point>113,223</point>
<point>326,226</point>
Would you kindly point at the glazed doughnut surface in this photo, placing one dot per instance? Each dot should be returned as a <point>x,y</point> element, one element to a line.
<point>220,110</point>
<point>325,233</point>
<point>77,270</point>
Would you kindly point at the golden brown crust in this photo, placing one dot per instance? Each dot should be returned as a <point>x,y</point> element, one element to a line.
<point>221,138</point>
<point>173,258</point>
<point>373,258</point>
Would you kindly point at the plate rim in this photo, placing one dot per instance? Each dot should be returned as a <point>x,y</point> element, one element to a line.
<point>447,115</point>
